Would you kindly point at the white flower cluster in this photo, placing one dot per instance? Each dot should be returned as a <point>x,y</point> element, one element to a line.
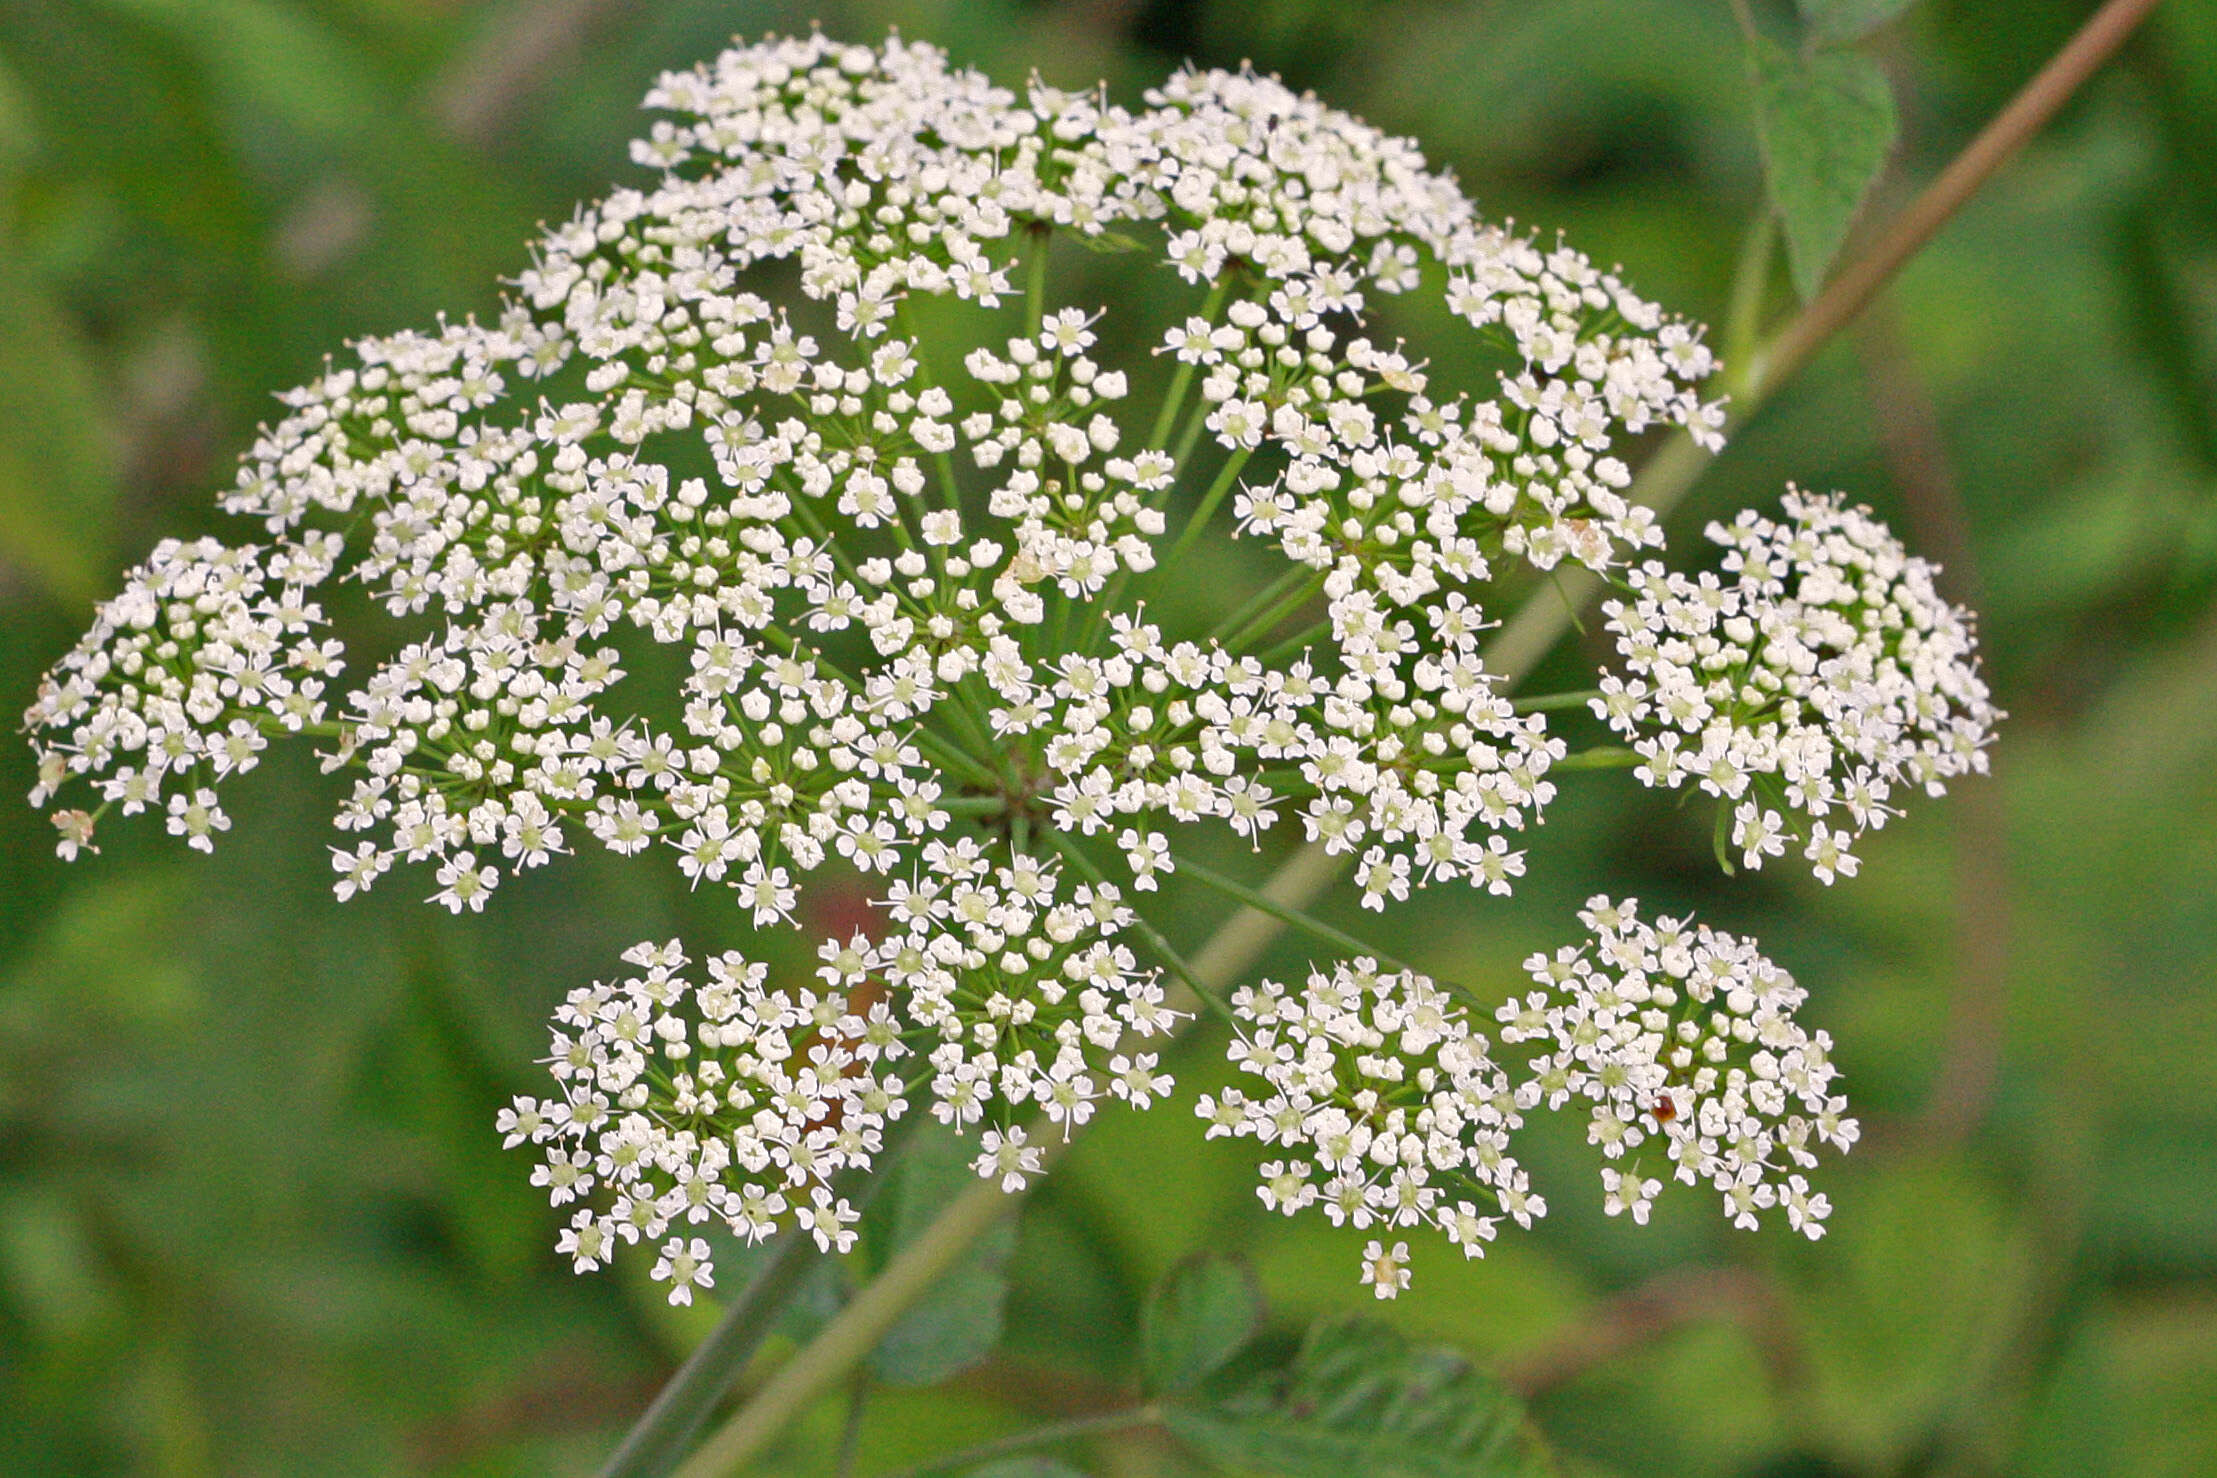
<point>1827,675</point>
<point>182,679</point>
<point>734,1103</point>
<point>1391,1110</point>
<point>1384,1102</point>
<point>902,578</point>
<point>1684,1035</point>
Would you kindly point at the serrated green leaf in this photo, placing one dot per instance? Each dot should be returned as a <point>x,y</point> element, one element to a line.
<point>1202,1313</point>
<point>1833,21</point>
<point>1826,123</point>
<point>957,1324</point>
<point>1357,1398</point>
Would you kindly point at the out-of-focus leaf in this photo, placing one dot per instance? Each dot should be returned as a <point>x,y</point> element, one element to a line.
<point>57,463</point>
<point>1848,20</point>
<point>1025,1467</point>
<point>50,1273</point>
<point>1196,1319</point>
<point>273,56</point>
<point>1826,123</point>
<point>955,1325</point>
<point>1357,1398</point>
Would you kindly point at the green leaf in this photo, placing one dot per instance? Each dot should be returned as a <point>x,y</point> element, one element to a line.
<point>1025,1467</point>
<point>1833,21</point>
<point>955,1325</point>
<point>1202,1313</point>
<point>1826,123</point>
<point>1356,1398</point>
<point>57,452</point>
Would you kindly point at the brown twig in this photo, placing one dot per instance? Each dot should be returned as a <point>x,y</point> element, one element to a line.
<point>1639,1316</point>
<point>1849,293</point>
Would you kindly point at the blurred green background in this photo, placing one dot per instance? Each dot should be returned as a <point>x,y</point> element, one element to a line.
<point>253,1219</point>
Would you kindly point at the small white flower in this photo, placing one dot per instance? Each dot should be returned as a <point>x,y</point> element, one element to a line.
<point>1386,1273</point>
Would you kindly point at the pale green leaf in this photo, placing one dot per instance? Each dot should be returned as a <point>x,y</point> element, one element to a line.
<point>1833,21</point>
<point>958,1322</point>
<point>1196,1319</point>
<point>1826,123</point>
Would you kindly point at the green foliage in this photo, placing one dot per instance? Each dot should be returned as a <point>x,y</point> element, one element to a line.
<point>252,1217</point>
<point>1826,121</point>
<point>957,1323</point>
<point>1358,1398</point>
<point>1195,1320</point>
<point>1834,21</point>
<point>57,461</point>
<point>1025,1467</point>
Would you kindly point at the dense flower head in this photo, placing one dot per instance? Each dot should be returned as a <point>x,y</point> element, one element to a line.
<point>805,429</point>
<point>1382,1105</point>
<point>1681,1043</point>
<point>732,1102</point>
<point>1807,690</point>
<point>1385,1106</point>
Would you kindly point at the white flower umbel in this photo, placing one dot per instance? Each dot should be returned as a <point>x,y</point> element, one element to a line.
<point>1806,691</point>
<point>730,1103</point>
<point>1381,1105</point>
<point>805,413</point>
<point>1682,1046</point>
<point>1385,1106</point>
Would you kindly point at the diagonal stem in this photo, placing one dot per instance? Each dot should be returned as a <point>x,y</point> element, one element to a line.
<point>1286,914</point>
<point>1068,846</point>
<point>858,1327</point>
<point>1664,481</point>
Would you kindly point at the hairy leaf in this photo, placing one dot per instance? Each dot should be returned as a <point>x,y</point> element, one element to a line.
<point>1357,1398</point>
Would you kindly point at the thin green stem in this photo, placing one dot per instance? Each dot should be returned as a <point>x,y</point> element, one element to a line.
<point>1743,319</point>
<point>1186,439</point>
<point>1269,621</point>
<point>1035,277</point>
<point>1235,625</point>
<point>1068,846</point>
<point>1307,636</point>
<point>1181,379</point>
<point>1195,526</point>
<point>973,805</point>
<point>1609,757</point>
<point>1040,1436</point>
<point>1556,702</point>
<point>850,1431</point>
<point>1285,913</point>
<point>658,1438</point>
